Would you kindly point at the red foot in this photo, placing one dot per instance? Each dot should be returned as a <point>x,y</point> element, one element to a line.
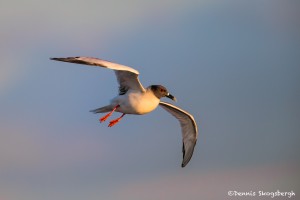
<point>102,119</point>
<point>115,121</point>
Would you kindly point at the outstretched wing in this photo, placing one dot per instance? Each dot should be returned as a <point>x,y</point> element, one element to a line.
<point>127,77</point>
<point>188,128</point>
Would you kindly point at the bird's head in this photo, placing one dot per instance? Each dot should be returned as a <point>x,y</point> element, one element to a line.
<point>160,91</point>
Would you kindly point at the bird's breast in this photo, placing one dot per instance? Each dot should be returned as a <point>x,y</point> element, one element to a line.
<point>138,103</point>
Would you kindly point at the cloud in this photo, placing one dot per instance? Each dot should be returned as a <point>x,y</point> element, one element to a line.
<point>98,19</point>
<point>35,27</point>
<point>211,184</point>
<point>32,148</point>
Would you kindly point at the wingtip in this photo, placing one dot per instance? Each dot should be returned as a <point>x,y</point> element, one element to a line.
<point>184,163</point>
<point>60,59</point>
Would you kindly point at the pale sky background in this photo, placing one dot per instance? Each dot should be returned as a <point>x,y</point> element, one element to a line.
<point>235,65</point>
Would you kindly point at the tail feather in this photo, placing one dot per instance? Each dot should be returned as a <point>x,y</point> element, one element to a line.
<point>102,109</point>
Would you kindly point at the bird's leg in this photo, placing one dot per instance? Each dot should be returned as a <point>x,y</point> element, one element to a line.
<point>102,119</point>
<point>115,121</point>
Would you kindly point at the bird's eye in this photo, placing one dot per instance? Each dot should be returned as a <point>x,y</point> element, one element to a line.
<point>162,90</point>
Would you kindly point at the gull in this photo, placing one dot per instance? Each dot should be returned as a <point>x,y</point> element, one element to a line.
<point>134,99</point>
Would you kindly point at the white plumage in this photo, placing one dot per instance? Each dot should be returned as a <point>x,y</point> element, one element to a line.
<point>133,98</point>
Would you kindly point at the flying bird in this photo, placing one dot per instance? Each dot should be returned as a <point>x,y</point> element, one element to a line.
<point>134,99</point>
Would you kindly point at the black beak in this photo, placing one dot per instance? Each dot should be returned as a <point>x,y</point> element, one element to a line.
<point>171,97</point>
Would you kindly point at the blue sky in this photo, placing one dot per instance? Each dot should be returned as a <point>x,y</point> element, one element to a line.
<point>234,65</point>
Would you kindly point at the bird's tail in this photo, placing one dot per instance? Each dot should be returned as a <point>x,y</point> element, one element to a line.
<point>102,109</point>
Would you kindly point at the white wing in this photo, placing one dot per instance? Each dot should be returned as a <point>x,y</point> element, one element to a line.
<point>127,77</point>
<point>188,128</point>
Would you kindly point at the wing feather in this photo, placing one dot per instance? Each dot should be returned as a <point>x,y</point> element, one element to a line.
<point>189,130</point>
<point>127,77</point>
